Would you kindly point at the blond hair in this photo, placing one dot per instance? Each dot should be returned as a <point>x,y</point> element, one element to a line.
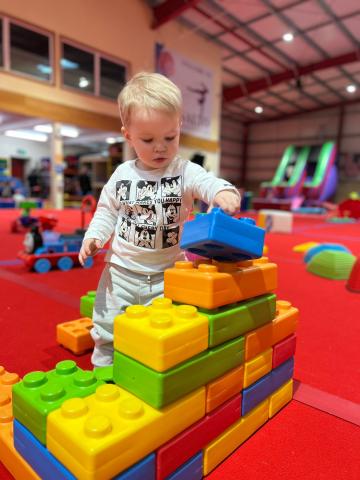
<point>149,91</point>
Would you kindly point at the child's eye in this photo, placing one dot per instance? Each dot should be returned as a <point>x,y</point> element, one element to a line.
<point>147,140</point>
<point>169,139</point>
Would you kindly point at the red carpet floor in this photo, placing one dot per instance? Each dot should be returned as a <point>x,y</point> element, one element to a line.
<point>300,442</point>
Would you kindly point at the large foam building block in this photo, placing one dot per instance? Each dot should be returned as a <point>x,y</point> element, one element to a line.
<point>99,436</point>
<point>257,367</point>
<point>275,221</point>
<point>282,326</point>
<point>39,393</point>
<point>191,470</point>
<point>234,320</point>
<point>48,467</point>
<point>75,335</point>
<point>175,333</point>
<point>284,350</point>
<point>87,304</point>
<point>234,436</point>
<point>266,386</point>
<point>10,458</point>
<point>178,450</point>
<point>224,387</point>
<point>162,388</point>
<point>207,287</point>
<point>222,237</point>
<point>280,398</point>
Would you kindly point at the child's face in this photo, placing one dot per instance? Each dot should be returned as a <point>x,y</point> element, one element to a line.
<point>154,135</point>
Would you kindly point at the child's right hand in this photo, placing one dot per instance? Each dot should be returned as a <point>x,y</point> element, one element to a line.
<point>89,248</point>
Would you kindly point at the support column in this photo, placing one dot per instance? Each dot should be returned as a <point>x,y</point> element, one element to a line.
<point>57,169</point>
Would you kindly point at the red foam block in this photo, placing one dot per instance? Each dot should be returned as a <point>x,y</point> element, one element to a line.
<point>283,350</point>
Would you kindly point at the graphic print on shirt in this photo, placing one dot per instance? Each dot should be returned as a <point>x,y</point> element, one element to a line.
<point>145,236</point>
<point>122,189</point>
<point>146,190</point>
<point>124,228</point>
<point>170,237</point>
<point>171,212</point>
<point>171,186</point>
<point>142,213</point>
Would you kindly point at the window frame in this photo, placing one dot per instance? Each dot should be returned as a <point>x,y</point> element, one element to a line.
<point>7,21</point>
<point>98,54</point>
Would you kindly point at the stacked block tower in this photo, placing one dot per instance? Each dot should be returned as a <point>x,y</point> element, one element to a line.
<point>195,374</point>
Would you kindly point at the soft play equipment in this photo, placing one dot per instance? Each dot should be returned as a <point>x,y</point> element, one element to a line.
<point>306,175</point>
<point>332,264</point>
<point>334,247</point>
<point>353,283</point>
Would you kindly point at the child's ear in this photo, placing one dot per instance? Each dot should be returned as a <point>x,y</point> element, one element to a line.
<point>125,133</point>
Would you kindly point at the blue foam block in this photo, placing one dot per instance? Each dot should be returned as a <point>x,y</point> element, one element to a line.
<point>268,384</point>
<point>324,246</point>
<point>191,470</point>
<point>49,468</point>
<point>222,237</point>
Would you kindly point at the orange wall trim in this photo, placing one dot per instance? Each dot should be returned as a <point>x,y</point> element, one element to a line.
<point>31,106</point>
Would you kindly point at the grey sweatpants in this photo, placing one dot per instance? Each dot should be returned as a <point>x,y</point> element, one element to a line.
<point>118,288</point>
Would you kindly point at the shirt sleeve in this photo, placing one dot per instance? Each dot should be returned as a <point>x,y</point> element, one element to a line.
<point>205,185</point>
<point>103,223</point>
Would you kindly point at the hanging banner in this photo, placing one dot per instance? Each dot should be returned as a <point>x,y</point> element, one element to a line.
<point>196,84</point>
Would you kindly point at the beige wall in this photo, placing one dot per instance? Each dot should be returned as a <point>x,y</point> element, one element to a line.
<point>120,28</point>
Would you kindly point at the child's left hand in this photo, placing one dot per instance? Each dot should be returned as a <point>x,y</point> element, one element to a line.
<point>228,201</point>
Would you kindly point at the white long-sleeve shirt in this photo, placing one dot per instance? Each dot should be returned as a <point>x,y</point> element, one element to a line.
<point>144,212</point>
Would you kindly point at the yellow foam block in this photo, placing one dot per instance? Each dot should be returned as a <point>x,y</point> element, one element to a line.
<point>283,325</point>
<point>161,335</point>
<point>280,398</point>
<point>223,388</point>
<point>304,247</point>
<point>99,436</point>
<point>257,367</point>
<point>234,436</point>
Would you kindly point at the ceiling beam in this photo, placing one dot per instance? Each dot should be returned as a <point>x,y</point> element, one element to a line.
<point>312,110</point>
<point>252,86</point>
<point>169,10</point>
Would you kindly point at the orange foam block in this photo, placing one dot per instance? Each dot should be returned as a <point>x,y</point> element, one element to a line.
<point>75,335</point>
<point>283,325</point>
<point>212,286</point>
<point>11,459</point>
<point>224,387</point>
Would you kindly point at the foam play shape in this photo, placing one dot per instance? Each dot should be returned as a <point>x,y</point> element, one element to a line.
<point>353,283</point>
<point>222,237</point>
<point>304,247</point>
<point>336,247</point>
<point>332,264</point>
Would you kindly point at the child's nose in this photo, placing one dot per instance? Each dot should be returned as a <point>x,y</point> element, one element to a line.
<point>160,147</point>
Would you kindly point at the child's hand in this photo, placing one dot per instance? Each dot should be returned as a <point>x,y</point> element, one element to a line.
<point>89,248</point>
<point>228,201</point>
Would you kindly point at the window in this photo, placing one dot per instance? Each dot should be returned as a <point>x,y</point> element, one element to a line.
<point>77,67</point>
<point>30,52</point>
<point>112,78</point>
<point>1,44</point>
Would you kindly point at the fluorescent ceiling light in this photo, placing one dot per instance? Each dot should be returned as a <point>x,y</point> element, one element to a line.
<point>43,128</point>
<point>68,65</point>
<point>258,109</point>
<point>111,140</point>
<point>83,82</point>
<point>351,88</point>
<point>64,131</point>
<point>288,37</point>
<point>69,132</point>
<point>46,69</point>
<point>27,135</point>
